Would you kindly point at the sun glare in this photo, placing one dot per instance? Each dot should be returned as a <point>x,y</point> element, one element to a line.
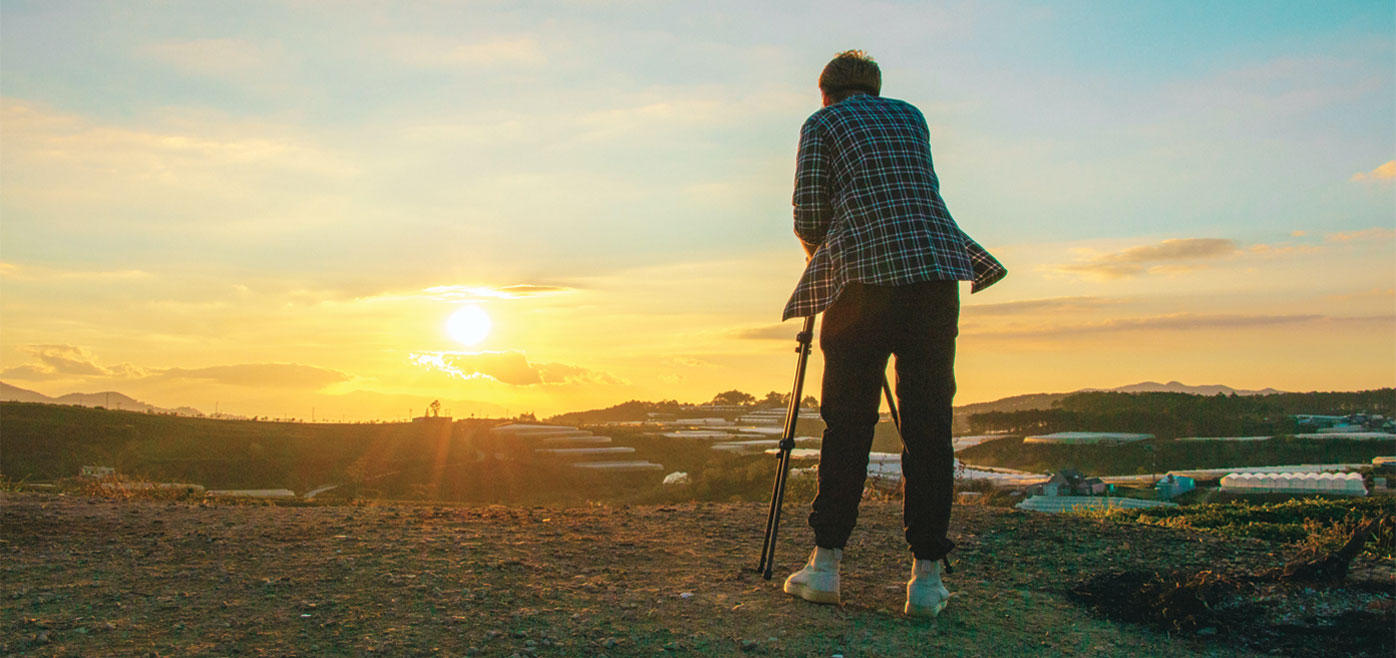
<point>469,325</point>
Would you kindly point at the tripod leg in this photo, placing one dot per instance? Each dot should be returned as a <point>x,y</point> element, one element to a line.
<point>787,444</point>
<point>892,405</point>
<point>771,517</point>
<point>768,558</point>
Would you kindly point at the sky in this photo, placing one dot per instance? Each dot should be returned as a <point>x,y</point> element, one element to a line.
<point>274,208</point>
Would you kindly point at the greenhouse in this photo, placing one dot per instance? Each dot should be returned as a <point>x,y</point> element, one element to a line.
<point>1069,438</point>
<point>1342,484</point>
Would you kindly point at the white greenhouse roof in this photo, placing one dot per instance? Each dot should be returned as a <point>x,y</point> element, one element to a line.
<point>619,466</point>
<point>1075,503</point>
<point>1087,437</point>
<point>1349,484</point>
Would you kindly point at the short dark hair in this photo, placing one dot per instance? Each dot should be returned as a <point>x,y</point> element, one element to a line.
<point>848,73</point>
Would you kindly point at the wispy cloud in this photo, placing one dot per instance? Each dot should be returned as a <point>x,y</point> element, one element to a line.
<point>1168,256</point>
<point>461,293</point>
<point>768,332</point>
<point>15,271</point>
<point>1384,172</point>
<point>222,58</point>
<point>57,361</point>
<point>1028,306</point>
<point>1371,234</point>
<point>264,375</point>
<point>1179,322</point>
<point>431,52</point>
<point>1375,293</point>
<point>72,361</point>
<point>510,367</point>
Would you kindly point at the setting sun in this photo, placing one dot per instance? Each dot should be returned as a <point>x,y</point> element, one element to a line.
<point>469,325</point>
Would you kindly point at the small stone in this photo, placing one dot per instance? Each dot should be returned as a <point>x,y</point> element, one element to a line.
<point>609,643</point>
<point>41,638</point>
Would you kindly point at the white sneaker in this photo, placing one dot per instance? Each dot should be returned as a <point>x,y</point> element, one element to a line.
<point>926,596</point>
<point>819,580</point>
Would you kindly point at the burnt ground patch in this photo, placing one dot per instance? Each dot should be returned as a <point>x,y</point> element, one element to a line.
<point>1262,613</point>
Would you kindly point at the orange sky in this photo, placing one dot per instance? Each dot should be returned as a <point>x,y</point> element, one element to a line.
<point>276,207</point>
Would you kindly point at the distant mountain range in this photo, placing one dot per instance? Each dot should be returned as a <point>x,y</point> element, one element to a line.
<point>1179,387</point>
<point>115,400</point>
<point>1045,400</point>
<point>107,399</point>
<point>371,404</point>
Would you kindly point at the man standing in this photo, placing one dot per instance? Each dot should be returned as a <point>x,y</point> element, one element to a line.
<point>885,262</point>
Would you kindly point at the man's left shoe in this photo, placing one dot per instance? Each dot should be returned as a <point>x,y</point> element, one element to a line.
<point>926,595</point>
<point>818,582</point>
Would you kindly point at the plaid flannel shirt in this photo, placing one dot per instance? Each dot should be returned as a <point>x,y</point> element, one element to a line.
<point>868,205</point>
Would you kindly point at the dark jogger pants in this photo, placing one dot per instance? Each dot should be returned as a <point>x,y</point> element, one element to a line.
<point>918,323</point>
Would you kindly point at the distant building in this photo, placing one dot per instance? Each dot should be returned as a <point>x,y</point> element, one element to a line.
<point>1172,486</point>
<point>1070,482</point>
<point>443,420</point>
<point>1351,423</point>
<point>1384,465</point>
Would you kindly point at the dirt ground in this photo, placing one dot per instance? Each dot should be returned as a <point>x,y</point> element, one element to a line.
<point>89,576</point>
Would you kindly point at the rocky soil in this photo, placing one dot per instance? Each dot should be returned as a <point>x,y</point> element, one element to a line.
<point>90,576</point>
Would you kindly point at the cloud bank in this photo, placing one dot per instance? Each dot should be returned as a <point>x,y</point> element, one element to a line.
<point>1180,322</point>
<point>1166,256</point>
<point>272,375</point>
<point>59,361</point>
<point>66,361</point>
<point>511,368</point>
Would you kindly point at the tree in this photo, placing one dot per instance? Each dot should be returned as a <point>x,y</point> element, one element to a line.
<point>810,402</point>
<point>435,408</point>
<point>734,396</point>
<point>775,399</point>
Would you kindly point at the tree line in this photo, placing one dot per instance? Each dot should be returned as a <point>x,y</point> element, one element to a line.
<point>1172,415</point>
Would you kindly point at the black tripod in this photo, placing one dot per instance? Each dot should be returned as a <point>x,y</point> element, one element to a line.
<point>787,443</point>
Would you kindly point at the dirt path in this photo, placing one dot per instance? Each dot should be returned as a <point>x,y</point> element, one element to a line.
<point>97,577</point>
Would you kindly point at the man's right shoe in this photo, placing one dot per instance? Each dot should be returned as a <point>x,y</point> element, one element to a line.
<point>819,580</point>
<point>926,595</point>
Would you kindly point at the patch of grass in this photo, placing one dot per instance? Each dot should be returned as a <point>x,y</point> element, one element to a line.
<point>1317,521</point>
<point>128,488</point>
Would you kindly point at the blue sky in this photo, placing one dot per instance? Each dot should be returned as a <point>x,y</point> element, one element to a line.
<point>182,159</point>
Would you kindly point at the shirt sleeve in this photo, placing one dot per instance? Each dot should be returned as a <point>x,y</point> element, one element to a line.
<point>812,204</point>
<point>987,269</point>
